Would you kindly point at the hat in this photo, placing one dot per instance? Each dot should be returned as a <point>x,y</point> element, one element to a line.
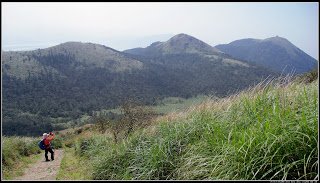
<point>45,135</point>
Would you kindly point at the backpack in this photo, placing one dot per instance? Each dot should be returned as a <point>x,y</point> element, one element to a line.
<point>41,145</point>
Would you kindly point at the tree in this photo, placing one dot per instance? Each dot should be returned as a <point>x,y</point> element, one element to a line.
<point>135,115</point>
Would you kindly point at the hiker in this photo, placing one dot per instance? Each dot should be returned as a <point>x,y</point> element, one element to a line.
<point>47,142</point>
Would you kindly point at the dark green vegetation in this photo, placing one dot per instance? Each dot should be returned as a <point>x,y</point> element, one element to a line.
<point>269,132</point>
<point>275,53</point>
<point>48,89</point>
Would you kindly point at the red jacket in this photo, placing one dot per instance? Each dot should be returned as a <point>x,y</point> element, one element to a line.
<point>48,140</point>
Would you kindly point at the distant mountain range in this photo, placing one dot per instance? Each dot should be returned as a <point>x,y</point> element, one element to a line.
<point>47,88</point>
<point>276,53</point>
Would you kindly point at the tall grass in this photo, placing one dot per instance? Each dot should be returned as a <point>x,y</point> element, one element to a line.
<point>73,167</point>
<point>269,132</point>
<point>14,149</point>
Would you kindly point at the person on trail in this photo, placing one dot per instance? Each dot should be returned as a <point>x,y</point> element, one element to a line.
<point>47,138</point>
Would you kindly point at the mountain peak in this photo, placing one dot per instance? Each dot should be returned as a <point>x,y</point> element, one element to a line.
<point>277,39</point>
<point>284,43</point>
<point>185,38</point>
<point>179,44</point>
<point>78,43</point>
<point>276,53</point>
<point>183,43</point>
<point>182,36</point>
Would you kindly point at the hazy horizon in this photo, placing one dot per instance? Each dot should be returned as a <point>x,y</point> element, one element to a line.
<point>128,25</point>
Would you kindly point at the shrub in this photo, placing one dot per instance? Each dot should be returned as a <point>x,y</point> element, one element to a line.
<point>57,142</point>
<point>14,148</point>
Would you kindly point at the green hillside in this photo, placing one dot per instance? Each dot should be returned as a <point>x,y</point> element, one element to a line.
<point>269,132</point>
<point>50,89</point>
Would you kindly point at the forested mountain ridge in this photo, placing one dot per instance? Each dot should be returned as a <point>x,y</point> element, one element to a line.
<point>276,53</point>
<point>47,88</point>
<point>80,55</point>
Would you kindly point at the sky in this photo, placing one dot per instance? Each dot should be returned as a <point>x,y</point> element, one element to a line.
<point>128,25</point>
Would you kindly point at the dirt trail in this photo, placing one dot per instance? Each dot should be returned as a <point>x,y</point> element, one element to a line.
<point>43,170</point>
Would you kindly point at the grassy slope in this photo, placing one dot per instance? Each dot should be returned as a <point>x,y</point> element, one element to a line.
<point>73,167</point>
<point>19,168</point>
<point>265,133</point>
<point>17,153</point>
